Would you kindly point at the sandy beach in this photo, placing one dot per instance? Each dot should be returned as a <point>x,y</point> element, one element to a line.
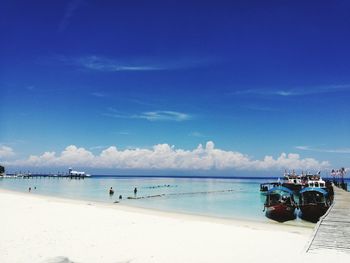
<point>38,228</point>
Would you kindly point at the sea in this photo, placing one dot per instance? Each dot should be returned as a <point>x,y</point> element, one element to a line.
<point>230,198</point>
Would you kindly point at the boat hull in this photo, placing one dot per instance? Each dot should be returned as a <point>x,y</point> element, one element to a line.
<point>280,212</point>
<point>293,187</point>
<point>313,211</point>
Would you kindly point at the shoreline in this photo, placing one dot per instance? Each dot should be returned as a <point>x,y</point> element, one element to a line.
<point>46,229</point>
<point>271,224</point>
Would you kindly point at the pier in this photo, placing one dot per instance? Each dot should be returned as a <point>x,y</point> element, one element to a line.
<point>71,174</point>
<point>333,229</point>
<point>57,176</point>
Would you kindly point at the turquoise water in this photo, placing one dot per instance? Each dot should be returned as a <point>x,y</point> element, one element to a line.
<point>224,198</point>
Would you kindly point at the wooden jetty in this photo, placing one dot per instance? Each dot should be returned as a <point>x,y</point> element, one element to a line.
<point>333,229</point>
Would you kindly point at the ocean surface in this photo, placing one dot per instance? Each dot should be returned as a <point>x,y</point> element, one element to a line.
<point>232,198</point>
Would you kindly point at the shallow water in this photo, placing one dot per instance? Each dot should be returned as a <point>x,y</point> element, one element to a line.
<point>225,198</point>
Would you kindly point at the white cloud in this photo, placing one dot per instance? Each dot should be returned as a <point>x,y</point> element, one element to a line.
<point>123,133</point>
<point>68,14</point>
<point>103,64</point>
<point>196,134</point>
<point>308,148</point>
<point>167,157</point>
<point>98,94</point>
<point>164,116</point>
<point>30,88</point>
<point>117,64</point>
<point>6,152</point>
<point>290,92</point>
<point>151,115</point>
<point>98,147</point>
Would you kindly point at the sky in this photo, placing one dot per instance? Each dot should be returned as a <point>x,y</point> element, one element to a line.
<point>140,87</point>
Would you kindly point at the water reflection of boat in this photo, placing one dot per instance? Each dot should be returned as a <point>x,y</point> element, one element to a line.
<point>313,203</point>
<point>280,204</point>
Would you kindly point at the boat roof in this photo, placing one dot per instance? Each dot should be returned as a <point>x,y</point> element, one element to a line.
<point>314,189</point>
<point>280,188</point>
<point>271,183</point>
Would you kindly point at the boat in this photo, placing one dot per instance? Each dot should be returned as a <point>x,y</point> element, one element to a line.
<point>314,181</point>
<point>265,187</point>
<point>292,181</point>
<point>297,182</point>
<point>72,173</point>
<point>313,203</point>
<point>280,204</point>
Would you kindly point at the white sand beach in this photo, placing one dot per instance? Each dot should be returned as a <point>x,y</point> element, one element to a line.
<point>45,229</point>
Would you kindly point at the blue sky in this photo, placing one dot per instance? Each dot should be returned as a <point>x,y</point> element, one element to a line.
<point>258,78</point>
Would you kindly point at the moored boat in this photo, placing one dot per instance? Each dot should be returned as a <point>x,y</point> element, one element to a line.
<point>72,173</point>
<point>265,187</point>
<point>313,203</point>
<point>314,181</point>
<point>292,181</point>
<point>280,204</point>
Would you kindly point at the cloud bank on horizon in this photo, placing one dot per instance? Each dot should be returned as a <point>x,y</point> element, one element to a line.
<point>167,157</point>
<point>6,152</point>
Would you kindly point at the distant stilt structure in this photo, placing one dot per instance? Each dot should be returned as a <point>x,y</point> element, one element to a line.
<point>2,170</point>
<point>343,185</point>
<point>29,175</point>
<point>338,178</point>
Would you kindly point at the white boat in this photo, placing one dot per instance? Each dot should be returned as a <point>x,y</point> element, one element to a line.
<point>292,181</point>
<point>314,180</point>
<point>73,173</point>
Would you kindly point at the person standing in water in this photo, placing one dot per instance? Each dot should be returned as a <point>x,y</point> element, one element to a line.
<point>111,191</point>
<point>135,191</point>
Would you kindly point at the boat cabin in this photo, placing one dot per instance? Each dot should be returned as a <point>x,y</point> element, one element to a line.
<point>279,195</point>
<point>317,184</point>
<point>310,195</point>
<point>267,186</point>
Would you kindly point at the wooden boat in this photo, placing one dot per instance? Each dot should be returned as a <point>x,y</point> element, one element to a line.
<point>265,187</point>
<point>314,203</point>
<point>280,204</point>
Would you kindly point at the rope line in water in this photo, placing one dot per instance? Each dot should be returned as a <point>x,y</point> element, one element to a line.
<point>177,194</point>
